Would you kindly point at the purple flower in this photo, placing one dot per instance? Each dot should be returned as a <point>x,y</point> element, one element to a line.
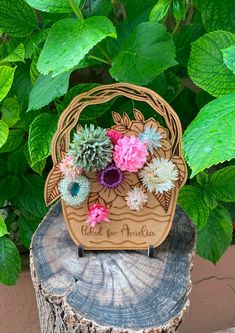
<point>110,177</point>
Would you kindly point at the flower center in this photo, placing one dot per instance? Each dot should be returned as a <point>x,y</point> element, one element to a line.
<point>111,177</point>
<point>74,189</point>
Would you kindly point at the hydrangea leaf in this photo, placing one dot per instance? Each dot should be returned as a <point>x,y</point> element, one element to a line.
<point>146,53</point>
<point>47,88</point>
<point>229,57</point>
<point>191,200</point>
<point>17,163</point>
<point>6,80</point>
<point>27,228</point>
<point>31,198</point>
<point>17,55</point>
<point>210,138</point>
<point>10,111</point>
<point>41,132</point>
<point>17,18</point>
<point>14,140</point>
<point>214,239</point>
<point>52,6</point>
<point>217,14</point>
<point>4,131</point>
<point>10,264</point>
<point>3,227</point>
<point>160,11</point>
<point>206,66</point>
<point>10,186</point>
<point>223,182</point>
<point>69,40</point>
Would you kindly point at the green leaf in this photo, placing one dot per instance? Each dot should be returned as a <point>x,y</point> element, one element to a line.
<point>17,55</point>
<point>70,40</point>
<point>160,11</point>
<point>47,88</point>
<point>34,73</point>
<point>31,199</point>
<point>17,163</point>
<point>210,138</point>
<point>183,40</point>
<point>217,14</point>
<point>223,182</point>
<point>229,57</point>
<point>35,40</point>
<point>41,132</point>
<point>22,84</point>
<point>10,111</point>
<point>52,6</point>
<point>14,140</point>
<point>4,131</point>
<point>27,228</point>
<point>216,236</point>
<point>17,18</point>
<point>6,79</point>
<point>10,264</point>
<point>206,67</point>
<point>145,54</point>
<point>190,199</point>
<point>10,186</point>
<point>178,10</point>
<point>3,227</point>
<point>38,167</point>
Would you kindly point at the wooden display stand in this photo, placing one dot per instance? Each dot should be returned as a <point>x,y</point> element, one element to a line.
<point>129,229</point>
<point>115,291</point>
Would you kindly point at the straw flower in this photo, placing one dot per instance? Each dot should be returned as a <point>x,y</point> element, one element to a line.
<point>159,175</point>
<point>74,191</point>
<point>136,198</point>
<point>68,168</point>
<point>96,214</point>
<point>130,154</point>
<point>151,137</point>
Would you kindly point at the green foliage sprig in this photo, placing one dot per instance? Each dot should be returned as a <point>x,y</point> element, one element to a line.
<point>51,50</point>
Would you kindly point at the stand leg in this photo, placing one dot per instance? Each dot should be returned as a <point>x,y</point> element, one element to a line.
<point>150,251</point>
<point>80,251</point>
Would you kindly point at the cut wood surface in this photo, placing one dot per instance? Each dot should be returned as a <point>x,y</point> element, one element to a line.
<point>115,291</point>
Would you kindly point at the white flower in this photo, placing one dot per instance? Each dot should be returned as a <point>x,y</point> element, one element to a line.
<point>136,198</point>
<point>74,191</point>
<point>158,175</point>
<point>152,138</point>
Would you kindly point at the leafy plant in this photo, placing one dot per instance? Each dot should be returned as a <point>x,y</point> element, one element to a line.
<point>52,50</point>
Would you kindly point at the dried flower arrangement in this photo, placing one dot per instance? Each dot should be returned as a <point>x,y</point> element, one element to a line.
<point>108,154</point>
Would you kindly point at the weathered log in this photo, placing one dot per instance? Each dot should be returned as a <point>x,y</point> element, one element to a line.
<point>118,291</point>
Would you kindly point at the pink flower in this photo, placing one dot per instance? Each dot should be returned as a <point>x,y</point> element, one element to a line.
<point>68,168</point>
<point>130,154</point>
<point>96,214</point>
<point>114,135</point>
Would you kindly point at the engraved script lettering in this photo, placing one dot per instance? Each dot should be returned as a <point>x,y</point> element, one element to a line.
<point>144,232</point>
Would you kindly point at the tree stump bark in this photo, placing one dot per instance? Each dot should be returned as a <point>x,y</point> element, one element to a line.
<point>118,291</point>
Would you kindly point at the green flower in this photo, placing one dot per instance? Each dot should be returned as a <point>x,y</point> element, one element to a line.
<point>92,148</point>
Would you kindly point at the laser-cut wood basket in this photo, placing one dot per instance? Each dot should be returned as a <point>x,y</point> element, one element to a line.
<point>128,229</point>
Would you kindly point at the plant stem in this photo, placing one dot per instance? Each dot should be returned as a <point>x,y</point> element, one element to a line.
<point>99,59</point>
<point>175,28</point>
<point>76,9</point>
<point>105,54</point>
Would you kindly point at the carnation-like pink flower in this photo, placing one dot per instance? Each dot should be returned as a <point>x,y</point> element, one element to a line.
<point>114,135</point>
<point>68,168</point>
<point>130,154</point>
<point>96,214</point>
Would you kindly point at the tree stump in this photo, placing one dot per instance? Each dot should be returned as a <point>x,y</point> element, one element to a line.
<point>118,291</point>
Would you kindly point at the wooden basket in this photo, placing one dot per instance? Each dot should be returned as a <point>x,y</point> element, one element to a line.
<point>128,229</point>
